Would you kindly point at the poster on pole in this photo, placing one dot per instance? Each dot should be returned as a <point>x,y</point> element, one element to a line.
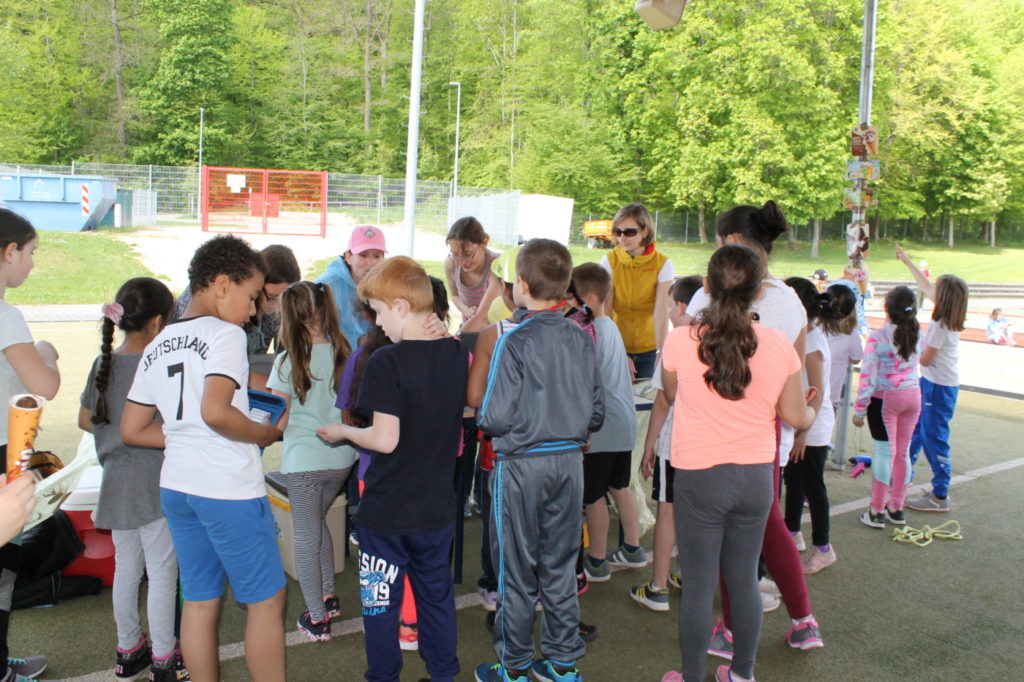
<point>863,170</point>
<point>864,141</point>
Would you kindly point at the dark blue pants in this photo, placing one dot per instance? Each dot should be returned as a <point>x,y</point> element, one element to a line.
<point>932,433</point>
<point>644,363</point>
<point>383,562</point>
<point>488,578</point>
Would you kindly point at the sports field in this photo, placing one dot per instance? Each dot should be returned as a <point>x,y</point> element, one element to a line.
<point>888,611</point>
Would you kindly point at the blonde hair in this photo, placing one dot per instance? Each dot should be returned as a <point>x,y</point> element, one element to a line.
<point>640,214</point>
<point>950,302</point>
<point>395,278</point>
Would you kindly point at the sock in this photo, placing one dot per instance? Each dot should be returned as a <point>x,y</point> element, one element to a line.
<point>630,548</point>
<point>595,561</point>
<point>801,621</point>
<point>822,548</point>
<point>940,497</point>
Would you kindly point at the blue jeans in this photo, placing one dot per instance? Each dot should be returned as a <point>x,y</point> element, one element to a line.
<point>644,363</point>
<point>932,433</point>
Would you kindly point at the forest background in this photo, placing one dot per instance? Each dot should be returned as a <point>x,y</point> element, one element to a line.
<point>745,100</point>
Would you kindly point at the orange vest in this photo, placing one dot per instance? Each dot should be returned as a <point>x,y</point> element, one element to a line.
<point>636,288</point>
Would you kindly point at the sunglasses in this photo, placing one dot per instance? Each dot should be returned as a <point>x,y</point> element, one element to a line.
<point>628,232</point>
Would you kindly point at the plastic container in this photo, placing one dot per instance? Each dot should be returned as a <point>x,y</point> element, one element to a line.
<point>277,492</point>
<point>98,558</point>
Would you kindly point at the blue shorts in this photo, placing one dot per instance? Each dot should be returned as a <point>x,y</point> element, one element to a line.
<point>217,539</point>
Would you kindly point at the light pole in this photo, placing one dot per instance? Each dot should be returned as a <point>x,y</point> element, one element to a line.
<point>413,140</point>
<point>458,116</point>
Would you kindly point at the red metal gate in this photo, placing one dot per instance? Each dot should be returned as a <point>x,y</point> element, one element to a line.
<point>262,201</point>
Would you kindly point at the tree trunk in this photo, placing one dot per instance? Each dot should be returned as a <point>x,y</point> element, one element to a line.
<point>115,24</point>
<point>702,234</point>
<point>951,231</point>
<point>992,233</point>
<point>816,238</point>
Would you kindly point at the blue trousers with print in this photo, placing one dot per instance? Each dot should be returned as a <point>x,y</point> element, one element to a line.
<point>932,432</point>
<point>383,562</point>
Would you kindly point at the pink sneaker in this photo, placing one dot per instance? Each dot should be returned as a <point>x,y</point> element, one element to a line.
<point>816,560</point>
<point>724,674</point>
<point>806,635</point>
<point>672,676</point>
<point>721,641</point>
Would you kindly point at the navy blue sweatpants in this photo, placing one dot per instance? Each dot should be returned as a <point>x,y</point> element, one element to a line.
<point>383,561</point>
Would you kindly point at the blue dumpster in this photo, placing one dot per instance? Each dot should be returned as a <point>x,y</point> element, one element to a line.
<point>58,202</point>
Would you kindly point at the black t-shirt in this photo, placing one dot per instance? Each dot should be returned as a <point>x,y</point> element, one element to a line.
<point>423,383</point>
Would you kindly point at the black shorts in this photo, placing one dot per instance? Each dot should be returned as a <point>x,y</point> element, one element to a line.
<point>663,482</point>
<point>604,470</point>
<point>875,423</point>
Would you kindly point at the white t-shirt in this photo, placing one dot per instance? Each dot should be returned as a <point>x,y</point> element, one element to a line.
<point>943,370</point>
<point>666,274</point>
<point>171,377</point>
<point>820,432</point>
<point>663,446</point>
<point>846,349</point>
<point>13,331</point>
<point>778,307</point>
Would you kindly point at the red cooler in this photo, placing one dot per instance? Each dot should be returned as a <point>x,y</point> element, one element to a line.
<point>98,558</point>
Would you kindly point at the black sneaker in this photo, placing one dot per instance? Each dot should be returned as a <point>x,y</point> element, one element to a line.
<point>588,632</point>
<point>870,518</point>
<point>316,631</point>
<point>895,517</point>
<point>170,669</point>
<point>332,607</point>
<point>131,665</point>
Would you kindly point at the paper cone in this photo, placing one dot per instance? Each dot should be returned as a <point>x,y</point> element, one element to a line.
<point>22,425</point>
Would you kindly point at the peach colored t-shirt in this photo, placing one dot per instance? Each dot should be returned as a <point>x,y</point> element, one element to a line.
<point>707,429</point>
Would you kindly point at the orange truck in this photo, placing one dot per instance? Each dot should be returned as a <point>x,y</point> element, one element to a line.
<point>598,233</point>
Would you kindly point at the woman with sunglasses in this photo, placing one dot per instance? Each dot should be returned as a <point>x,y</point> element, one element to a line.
<point>641,277</point>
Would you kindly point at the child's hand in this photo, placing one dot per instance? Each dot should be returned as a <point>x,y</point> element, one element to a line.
<point>901,255</point>
<point>647,464</point>
<point>858,421</point>
<point>434,328</point>
<point>17,500</point>
<point>810,395</point>
<point>271,434</point>
<point>332,433</point>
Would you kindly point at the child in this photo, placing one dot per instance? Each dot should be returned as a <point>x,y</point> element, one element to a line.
<point>805,471</point>
<point>193,374</point>
<point>129,500</point>
<point>415,390</point>
<point>940,382</point>
<point>608,460</point>
<point>366,248</point>
<point>654,593</point>
<point>844,346</point>
<point>468,272</point>
<point>24,368</point>
<point>543,397</point>
<point>889,372</point>
<point>305,375</point>
<point>998,329</point>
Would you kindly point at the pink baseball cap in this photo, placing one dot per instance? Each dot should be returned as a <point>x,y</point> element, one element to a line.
<point>365,238</point>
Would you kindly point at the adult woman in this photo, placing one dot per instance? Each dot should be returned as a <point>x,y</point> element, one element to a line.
<point>641,277</point>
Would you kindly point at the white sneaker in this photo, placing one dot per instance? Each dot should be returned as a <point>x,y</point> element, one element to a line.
<point>770,602</point>
<point>768,586</point>
<point>801,545</point>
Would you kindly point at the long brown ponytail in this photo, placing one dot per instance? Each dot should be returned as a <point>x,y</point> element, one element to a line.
<point>725,330</point>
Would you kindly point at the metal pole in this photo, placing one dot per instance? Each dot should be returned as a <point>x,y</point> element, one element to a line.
<point>201,123</point>
<point>458,117</point>
<point>412,143</point>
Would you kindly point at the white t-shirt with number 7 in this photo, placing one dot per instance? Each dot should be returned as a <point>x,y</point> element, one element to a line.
<point>171,377</point>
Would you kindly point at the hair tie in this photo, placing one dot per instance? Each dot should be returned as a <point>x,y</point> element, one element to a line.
<point>727,291</point>
<point>908,309</point>
<point>113,312</point>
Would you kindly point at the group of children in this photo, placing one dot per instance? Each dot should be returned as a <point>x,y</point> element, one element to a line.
<point>368,372</point>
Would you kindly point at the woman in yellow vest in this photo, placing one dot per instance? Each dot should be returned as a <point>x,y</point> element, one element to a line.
<point>640,280</point>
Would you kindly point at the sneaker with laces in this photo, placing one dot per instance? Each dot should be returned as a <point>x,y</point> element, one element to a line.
<point>596,574</point>
<point>804,635</point>
<point>588,633</point>
<point>30,666</point>
<point>875,520</point>
<point>770,601</point>
<point>768,586</point>
<point>488,672</point>
<point>316,631</point>
<point>724,674</point>
<point>798,538</point>
<point>646,594</point>
<point>332,607</point>
<point>133,663</point>
<point>488,598</point>
<point>895,516</point>
<point>408,637</point>
<point>675,579</point>
<point>170,669</point>
<point>721,641</point>
<point>816,560</point>
<point>547,670</point>
<point>928,503</point>
<point>623,558</point>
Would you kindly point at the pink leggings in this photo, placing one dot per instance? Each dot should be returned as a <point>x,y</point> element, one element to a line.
<point>900,410</point>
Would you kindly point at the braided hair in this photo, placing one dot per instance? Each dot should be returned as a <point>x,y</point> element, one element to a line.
<point>138,301</point>
<point>901,307</point>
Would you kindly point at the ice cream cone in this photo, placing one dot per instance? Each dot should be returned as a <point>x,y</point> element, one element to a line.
<point>22,425</point>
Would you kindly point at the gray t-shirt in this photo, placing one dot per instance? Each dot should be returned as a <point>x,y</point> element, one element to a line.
<point>13,331</point>
<point>130,492</point>
<point>618,434</point>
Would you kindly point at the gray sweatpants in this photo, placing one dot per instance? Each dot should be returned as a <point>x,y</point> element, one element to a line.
<point>148,550</point>
<point>720,516</point>
<point>536,516</point>
<point>311,494</point>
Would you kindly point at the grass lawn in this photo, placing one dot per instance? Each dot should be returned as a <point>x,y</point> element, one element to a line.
<point>88,267</point>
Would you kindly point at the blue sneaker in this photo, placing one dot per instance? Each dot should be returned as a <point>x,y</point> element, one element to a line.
<point>545,671</point>
<point>494,672</point>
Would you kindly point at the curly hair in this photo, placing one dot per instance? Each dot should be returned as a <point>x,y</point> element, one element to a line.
<point>225,254</point>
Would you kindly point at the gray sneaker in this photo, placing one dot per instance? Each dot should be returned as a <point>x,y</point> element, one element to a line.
<point>654,598</point>
<point>596,574</point>
<point>928,503</point>
<point>30,666</point>
<point>626,559</point>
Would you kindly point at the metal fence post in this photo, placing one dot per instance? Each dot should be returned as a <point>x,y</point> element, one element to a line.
<point>380,199</point>
<point>843,417</point>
